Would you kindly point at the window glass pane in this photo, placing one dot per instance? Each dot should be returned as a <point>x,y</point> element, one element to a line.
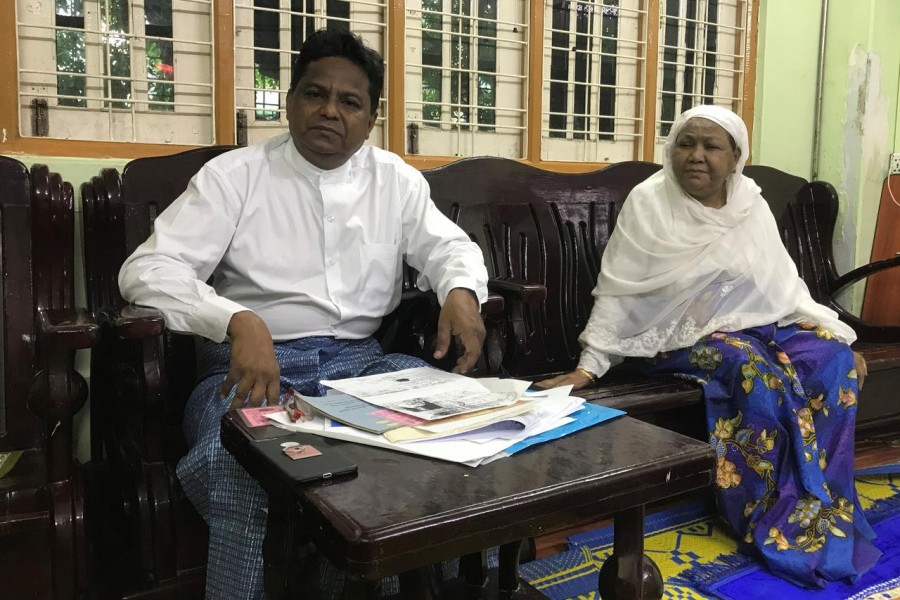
<point>160,55</point>
<point>302,21</point>
<point>608,50</point>
<point>709,60</point>
<point>432,55</point>
<point>267,66</point>
<point>584,44</point>
<point>70,58</point>
<point>669,65</point>
<point>559,68</point>
<point>460,59</point>
<point>487,62</point>
<point>338,12</point>
<point>70,52</point>
<point>116,52</point>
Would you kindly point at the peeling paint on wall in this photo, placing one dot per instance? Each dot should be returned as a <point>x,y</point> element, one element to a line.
<point>865,151</point>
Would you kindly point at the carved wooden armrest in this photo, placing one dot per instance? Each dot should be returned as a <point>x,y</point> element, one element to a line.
<point>513,290</point>
<point>518,297</point>
<point>66,329</point>
<point>57,392</point>
<point>865,330</point>
<point>137,322</point>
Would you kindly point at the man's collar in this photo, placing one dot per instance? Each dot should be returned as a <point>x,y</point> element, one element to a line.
<point>309,170</point>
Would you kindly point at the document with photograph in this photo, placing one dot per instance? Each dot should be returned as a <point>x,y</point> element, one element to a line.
<point>424,392</point>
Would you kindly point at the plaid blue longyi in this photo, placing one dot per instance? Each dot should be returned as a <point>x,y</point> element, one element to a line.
<point>229,499</point>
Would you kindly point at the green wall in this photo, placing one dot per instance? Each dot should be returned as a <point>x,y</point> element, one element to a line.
<point>860,104</point>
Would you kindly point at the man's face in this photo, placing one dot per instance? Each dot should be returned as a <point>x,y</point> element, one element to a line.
<point>329,112</point>
<point>703,160</point>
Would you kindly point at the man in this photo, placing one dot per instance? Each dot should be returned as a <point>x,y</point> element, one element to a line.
<point>304,237</point>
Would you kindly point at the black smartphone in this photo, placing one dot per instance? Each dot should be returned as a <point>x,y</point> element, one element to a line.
<point>304,458</point>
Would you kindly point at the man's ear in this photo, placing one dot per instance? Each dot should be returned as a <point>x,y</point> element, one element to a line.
<point>288,101</point>
<point>372,118</point>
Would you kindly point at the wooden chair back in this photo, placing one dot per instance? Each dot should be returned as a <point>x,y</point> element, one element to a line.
<point>42,515</point>
<point>540,227</point>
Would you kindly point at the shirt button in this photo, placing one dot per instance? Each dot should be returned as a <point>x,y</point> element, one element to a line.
<point>331,218</point>
<point>331,262</point>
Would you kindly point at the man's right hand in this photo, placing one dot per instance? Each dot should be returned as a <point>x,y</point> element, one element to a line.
<point>254,368</point>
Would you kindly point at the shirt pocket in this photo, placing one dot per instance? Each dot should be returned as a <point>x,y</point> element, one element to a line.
<point>379,274</point>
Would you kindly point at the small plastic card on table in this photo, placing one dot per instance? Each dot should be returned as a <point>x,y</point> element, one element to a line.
<point>298,451</point>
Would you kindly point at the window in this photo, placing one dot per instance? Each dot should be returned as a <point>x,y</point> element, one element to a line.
<point>465,77</point>
<point>701,58</point>
<point>268,35</point>
<point>596,61</point>
<point>105,69</point>
<point>562,84</point>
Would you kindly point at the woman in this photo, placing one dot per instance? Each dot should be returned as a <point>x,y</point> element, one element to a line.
<point>696,279</point>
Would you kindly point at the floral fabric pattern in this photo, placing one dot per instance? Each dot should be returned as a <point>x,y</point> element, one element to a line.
<point>781,408</point>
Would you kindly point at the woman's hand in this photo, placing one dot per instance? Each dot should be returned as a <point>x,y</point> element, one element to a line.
<point>861,369</point>
<point>578,379</point>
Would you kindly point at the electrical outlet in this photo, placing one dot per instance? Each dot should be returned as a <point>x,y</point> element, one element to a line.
<point>895,164</point>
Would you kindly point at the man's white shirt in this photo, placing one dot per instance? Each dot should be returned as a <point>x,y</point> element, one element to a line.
<point>312,252</point>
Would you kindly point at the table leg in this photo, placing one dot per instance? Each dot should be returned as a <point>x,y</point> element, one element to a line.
<point>360,589</point>
<point>473,569</point>
<point>289,559</point>
<point>628,574</point>
<point>417,584</point>
<point>508,571</point>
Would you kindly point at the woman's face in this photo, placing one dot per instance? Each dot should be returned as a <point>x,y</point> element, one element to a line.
<point>702,160</point>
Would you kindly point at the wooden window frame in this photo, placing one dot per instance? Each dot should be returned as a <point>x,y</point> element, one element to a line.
<point>11,142</point>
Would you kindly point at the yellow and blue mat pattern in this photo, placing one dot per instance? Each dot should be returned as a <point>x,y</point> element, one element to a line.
<point>696,554</point>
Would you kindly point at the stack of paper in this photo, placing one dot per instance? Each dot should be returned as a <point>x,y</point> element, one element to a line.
<point>444,415</point>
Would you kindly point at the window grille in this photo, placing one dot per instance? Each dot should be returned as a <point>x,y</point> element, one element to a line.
<point>593,79</point>
<point>702,58</point>
<point>589,81</point>
<point>268,36</point>
<point>108,69</point>
<point>594,65</point>
<point>465,76</point>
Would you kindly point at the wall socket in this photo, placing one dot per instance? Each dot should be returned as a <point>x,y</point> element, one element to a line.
<point>895,164</point>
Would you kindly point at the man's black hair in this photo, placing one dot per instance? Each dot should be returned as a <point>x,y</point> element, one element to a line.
<point>325,43</point>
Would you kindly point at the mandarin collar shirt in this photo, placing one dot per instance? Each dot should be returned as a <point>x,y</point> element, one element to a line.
<point>311,251</point>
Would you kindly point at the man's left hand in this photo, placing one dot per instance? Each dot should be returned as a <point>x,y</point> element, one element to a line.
<point>460,317</point>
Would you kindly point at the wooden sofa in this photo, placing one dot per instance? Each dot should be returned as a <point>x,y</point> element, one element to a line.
<point>546,228</point>
<point>142,375</point>
<point>43,546</point>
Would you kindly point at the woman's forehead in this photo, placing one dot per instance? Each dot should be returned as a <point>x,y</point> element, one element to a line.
<point>704,127</point>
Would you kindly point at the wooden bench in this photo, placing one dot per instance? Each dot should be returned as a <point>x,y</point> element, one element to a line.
<point>551,229</point>
<point>43,549</point>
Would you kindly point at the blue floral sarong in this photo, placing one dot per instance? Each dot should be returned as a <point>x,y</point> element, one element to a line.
<point>780,411</point>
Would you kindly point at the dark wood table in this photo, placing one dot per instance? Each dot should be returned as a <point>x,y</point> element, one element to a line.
<point>402,512</point>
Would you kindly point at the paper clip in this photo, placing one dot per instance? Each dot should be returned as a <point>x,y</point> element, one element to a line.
<point>297,410</point>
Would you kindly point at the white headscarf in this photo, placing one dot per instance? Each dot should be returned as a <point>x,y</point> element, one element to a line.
<point>676,270</point>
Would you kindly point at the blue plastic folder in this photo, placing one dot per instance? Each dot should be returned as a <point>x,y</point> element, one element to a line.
<point>586,416</point>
